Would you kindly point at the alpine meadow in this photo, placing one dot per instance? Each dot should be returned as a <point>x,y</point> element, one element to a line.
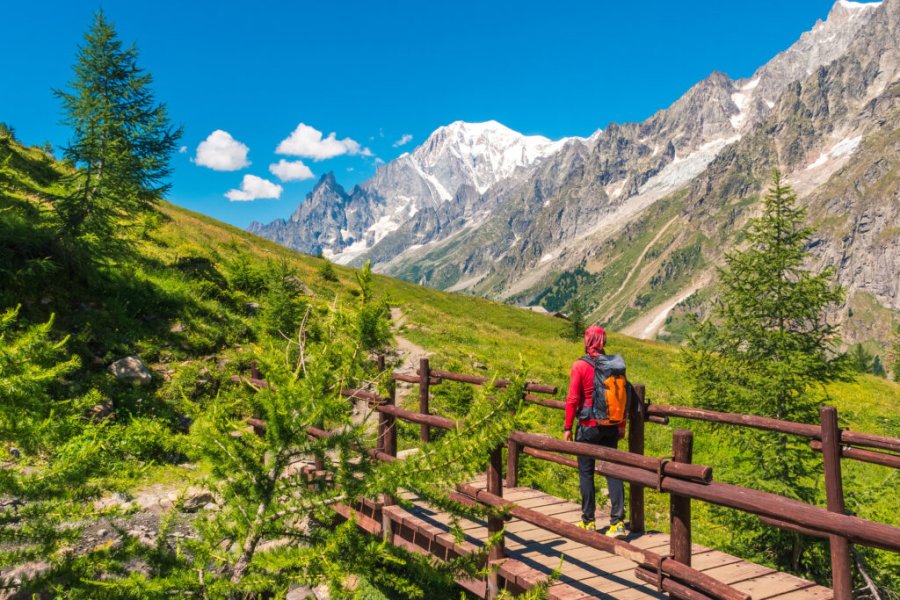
<point>366,398</point>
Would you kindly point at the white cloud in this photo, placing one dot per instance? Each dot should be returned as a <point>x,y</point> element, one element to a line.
<point>254,188</point>
<point>378,161</point>
<point>308,141</point>
<point>221,152</point>
<point>404,139</point>
<point>182,150</point>
<point>291,170</point>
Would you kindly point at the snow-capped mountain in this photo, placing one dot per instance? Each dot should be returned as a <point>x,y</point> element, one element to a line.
<point>482,208</point>
<point>457,164</point>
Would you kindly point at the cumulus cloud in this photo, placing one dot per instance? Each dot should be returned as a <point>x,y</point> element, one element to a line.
<point>254,188</point>
<point>221,152</point>
<point>287,170</point>
<point>378,161</point>
<point>404,139</point>
<point>308,141</point>
<point>182,150</point>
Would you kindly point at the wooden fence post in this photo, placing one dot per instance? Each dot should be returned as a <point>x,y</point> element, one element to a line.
<point>382,428</point>
<point>495,525</point>
<point>680,506</point>
<point>513,449</point>
<point>388,425</point>
<point>424,382</point>
<point>841,577</point>
<point>636,446</point>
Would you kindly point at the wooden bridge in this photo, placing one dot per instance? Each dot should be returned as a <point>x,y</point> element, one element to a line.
<point>539,535</point>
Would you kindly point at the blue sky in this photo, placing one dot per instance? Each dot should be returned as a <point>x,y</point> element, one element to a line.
<point>376,73</point>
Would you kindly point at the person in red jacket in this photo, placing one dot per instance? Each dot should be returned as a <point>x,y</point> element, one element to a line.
<point>581,388</point>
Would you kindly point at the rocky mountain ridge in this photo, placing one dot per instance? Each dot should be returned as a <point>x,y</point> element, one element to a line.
<point>481,208</point>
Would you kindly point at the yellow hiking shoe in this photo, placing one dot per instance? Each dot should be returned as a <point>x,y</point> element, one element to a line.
<point>589,526</point>
<point>617,530</point>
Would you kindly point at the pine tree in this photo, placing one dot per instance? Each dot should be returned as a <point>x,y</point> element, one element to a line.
<point>121,138</point>
<point>860,359</point>
<point>877,367</point>
<point>765,350</point>
<point>576,319</point>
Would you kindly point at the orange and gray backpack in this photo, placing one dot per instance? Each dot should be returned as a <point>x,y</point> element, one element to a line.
<point>609,402</point>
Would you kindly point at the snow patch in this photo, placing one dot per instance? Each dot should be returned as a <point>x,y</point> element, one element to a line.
<point>858,6</point>
<point>683,169</point>
<point>438,187</point>
<point>615,190</point>
<point>750,85</point>
<point>845,147</point>
<point>741,101</point>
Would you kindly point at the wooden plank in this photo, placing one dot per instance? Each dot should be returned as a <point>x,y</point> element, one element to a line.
<point>711,559</point>
<point>772,584</point>
<point>738,572</point>
<point>814,593</point>
<point>537,502</point>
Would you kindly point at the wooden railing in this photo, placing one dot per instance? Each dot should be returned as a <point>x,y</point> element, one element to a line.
<point>677,476</point>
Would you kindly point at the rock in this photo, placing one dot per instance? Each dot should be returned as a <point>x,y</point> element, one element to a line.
<point>195,499</point>
<point>300,593</point>
<point>24,572</point>
<point>177,328</point>
<point>479,365</point>
<point>253,305</point>
<point>15,452</point>
<point>102,533</point>
<point>112,501</point>
<point>101,411</point>
<point>131,369</point>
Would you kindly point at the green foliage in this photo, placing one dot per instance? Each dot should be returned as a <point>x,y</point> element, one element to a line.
<point>861,360</point>
<point>564,288</point>
<point>681,262</point>
<point>282,305</point>
<point>766,350</point>
<point>326,271</point>
<point>877,367</point>
<point>576,319</point>
<point>7,131</point>
<point>895,350</point>
<point>121,139</point>
<point>373,316</point>
<point>275,526</point>
<point>31,363</point>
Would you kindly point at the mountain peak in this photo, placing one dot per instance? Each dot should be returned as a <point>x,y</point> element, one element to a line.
<point>327,179</point>
<point>479,154</point>
<point>845,9</point>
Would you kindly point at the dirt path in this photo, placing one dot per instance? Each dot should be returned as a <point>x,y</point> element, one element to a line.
<point>410,353</point>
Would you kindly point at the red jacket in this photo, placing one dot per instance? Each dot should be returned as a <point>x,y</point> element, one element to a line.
<point>581,390</point>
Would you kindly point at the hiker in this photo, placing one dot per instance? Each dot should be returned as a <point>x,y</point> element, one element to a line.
<point>603,424</point>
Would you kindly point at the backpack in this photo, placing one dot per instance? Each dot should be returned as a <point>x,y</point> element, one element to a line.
<point>610,399</point>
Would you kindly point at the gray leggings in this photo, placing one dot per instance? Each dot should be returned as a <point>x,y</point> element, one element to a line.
<point>607,436</point>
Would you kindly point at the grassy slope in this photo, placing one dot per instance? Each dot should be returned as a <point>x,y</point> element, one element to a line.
<point>181,276</point>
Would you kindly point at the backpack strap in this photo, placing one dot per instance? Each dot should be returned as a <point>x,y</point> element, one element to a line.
<point>586,358</point>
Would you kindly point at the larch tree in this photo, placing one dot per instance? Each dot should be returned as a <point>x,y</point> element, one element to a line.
<point>121,138</point>
<point>766,349</point>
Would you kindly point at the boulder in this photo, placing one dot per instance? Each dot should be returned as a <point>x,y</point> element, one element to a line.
<point>131,369</point>
<point>196,498</point>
